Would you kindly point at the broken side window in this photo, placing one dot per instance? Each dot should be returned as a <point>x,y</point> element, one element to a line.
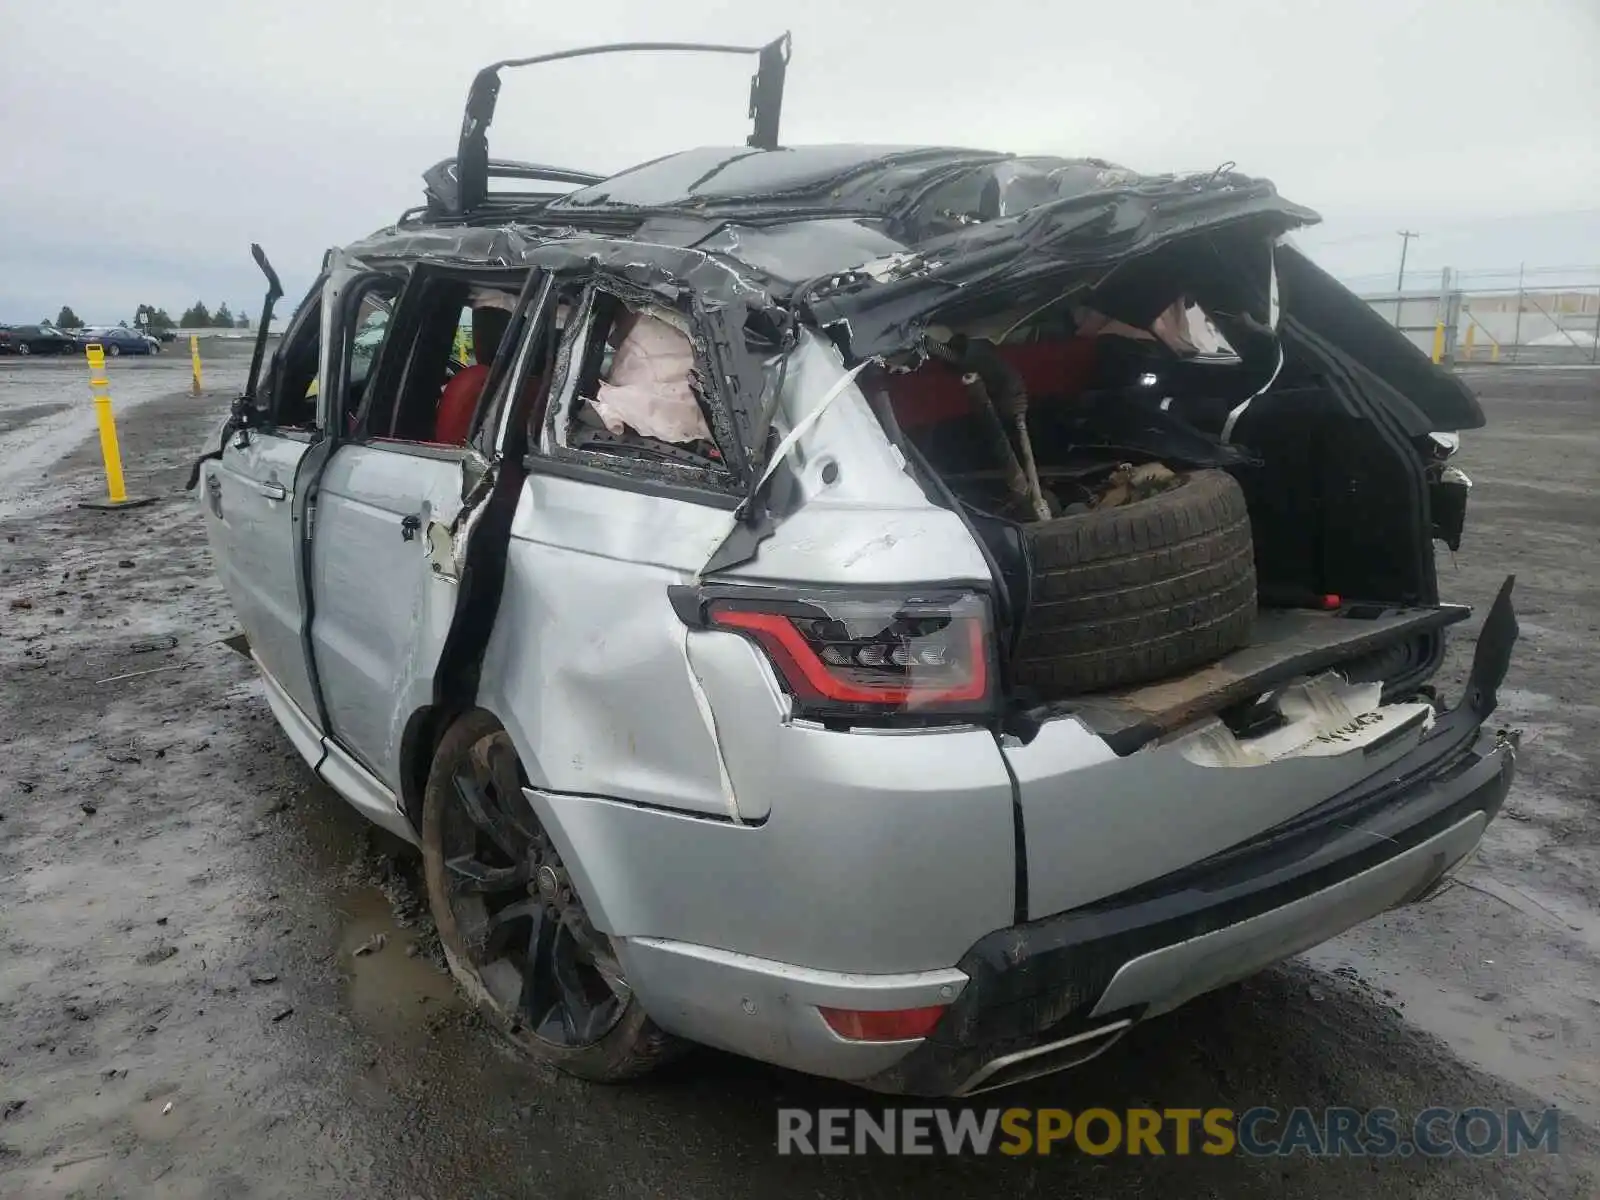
<point>292,389</point>
<point>633,391</point>
<point>364,343</point>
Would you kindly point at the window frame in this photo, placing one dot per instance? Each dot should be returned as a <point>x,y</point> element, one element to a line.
<point>307,313</point>
<point>351,299</point>
<point>551,453</point>
<point>394,369</point>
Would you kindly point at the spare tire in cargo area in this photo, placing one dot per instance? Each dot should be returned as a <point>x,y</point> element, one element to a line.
<point>1137,592</point>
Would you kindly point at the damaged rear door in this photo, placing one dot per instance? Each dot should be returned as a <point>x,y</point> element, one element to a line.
<point>395,504</point>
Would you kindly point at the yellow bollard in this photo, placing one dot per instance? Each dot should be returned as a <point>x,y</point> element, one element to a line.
<point>194,358</point>
<point>1494,352</point>
<point>1466,350</point>
<point>1438,342</point>
<point>116,492</point>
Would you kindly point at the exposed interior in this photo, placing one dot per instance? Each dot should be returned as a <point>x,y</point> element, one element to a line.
<point>637,394</point>
<point>1184,358</point>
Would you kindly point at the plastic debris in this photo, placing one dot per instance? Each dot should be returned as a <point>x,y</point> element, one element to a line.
<point>372,945</point>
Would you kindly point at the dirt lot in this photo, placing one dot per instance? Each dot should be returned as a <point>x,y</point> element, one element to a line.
<point>182,1012</point>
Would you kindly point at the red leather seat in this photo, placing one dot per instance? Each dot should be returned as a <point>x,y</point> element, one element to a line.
<point>452,422</point>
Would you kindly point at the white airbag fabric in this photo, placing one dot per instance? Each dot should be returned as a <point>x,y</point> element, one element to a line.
<point>647,388</point>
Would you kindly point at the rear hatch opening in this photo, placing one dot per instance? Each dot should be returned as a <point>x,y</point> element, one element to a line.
<point>1176,453</point>
<point>1247,689</point>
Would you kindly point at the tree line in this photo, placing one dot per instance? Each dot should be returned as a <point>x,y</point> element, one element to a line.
<point>196,316</point>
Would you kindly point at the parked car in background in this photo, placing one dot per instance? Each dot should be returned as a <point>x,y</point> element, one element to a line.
<point>163,335</point>
<point>35,339</point>
<point>118,341</point>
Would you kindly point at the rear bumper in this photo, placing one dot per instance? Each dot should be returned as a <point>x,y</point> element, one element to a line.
<point>1047,994</point>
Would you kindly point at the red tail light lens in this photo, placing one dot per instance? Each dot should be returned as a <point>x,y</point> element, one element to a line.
<point>860,655</point>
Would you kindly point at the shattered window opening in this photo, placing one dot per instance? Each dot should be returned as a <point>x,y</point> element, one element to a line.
<point>364,344</point>
<point>292,387</point>
<point>634,392</point>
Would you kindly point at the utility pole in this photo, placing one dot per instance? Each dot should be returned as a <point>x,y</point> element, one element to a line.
<point>1594,355</point>
<point>1516,335</point>
<point>1405,244</point>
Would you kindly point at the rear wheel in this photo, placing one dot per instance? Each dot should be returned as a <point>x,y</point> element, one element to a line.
<point>113,350</point>
<point>24,348</point>
<point>513,926</point>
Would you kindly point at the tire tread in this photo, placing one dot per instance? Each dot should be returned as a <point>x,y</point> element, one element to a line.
<point>1139,592</point>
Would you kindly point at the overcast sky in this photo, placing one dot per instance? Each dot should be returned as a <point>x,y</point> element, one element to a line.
<point>146,145</point>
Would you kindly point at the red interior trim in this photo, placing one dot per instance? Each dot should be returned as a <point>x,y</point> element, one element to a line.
<point>933,393</point>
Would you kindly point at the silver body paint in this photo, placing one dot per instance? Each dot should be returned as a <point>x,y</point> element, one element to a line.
<point>748,866</point>
<point>381,613</point>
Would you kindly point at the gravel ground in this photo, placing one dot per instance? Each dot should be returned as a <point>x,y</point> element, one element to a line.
<point>182,1013</point>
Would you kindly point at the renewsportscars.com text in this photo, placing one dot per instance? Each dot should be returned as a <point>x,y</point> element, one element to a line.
<point>1255,1132</point>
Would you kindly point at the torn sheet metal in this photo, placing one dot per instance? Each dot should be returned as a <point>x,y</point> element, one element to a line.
<point>1322,717</point>
<point>746,531</point>
<point>441,553</point>
<point>1038,251</point>
<point>735,235</point>
<point>446,542</point>
<point>804,424</point>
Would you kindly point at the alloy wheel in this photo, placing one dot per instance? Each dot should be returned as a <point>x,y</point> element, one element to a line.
<point>527,937</point>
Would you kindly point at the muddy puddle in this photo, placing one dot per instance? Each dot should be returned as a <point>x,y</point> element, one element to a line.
<point>392,983</point>
<point>1520,1036</point>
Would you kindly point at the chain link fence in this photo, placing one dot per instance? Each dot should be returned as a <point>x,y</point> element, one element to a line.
<point>1516,314</point>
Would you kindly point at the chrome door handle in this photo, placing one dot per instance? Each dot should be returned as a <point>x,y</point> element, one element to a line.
<point>272,491</point>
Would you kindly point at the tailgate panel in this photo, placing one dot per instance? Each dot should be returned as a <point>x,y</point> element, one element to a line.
<point>1096,824</point>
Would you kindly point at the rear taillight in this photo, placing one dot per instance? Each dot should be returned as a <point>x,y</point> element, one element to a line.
<point>871,655</point>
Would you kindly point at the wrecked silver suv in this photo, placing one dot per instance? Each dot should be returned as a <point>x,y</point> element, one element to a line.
<point>906,614</point>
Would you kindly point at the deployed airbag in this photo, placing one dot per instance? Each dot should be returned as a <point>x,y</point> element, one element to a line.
<point>648,388</point>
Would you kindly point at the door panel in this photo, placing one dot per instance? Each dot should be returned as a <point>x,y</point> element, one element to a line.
<point>249,499</point>
<point>586,606</point>
<point>381,612</point>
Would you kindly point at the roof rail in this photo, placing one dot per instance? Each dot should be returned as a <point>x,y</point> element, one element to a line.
<point>465,185</point>
<point>507,168</point>
<point>442,186</point>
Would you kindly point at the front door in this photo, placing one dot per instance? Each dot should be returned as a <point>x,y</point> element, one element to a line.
<point>249,499</point>
<point>254,506</point>
<point>389,539</point>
